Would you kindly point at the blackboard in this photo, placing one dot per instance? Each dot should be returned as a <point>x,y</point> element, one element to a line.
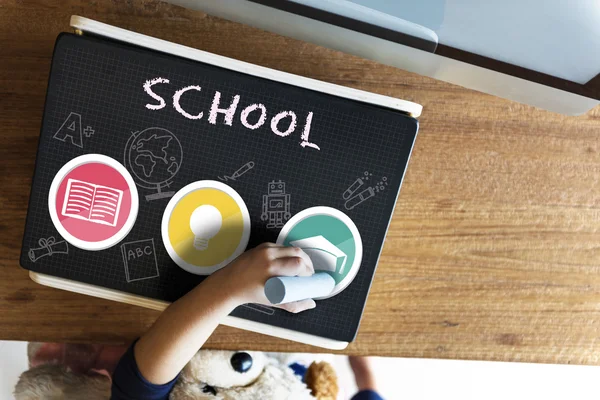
<point>98,87</point>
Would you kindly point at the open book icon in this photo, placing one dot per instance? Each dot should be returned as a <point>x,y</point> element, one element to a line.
<point>324,255</point>
<point>95,203</point>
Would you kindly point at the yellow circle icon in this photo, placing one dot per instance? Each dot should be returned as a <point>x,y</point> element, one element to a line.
<point>205,226</point>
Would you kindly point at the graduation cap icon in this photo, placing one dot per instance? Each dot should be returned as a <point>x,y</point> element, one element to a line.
<point>324,254</point>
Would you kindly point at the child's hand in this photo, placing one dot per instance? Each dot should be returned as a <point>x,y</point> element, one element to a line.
<point>246,276</point>
<point>184,326</point>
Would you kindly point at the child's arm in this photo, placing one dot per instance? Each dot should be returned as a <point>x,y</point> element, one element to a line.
<point>185,325</point>
<point>364,375</point>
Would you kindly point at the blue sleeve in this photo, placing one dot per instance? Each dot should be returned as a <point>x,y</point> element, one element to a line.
<point>367,395</point>
<point>129,384</point>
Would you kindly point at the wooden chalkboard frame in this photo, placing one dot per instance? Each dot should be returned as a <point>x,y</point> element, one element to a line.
<point>83,25</point>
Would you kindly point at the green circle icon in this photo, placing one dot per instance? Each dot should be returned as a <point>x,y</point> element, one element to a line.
<point>331,240</point>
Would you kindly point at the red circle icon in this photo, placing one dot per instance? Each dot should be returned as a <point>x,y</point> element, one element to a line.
<point>93,202</point>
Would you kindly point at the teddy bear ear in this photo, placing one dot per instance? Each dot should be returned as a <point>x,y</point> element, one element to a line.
<point>224,369</point>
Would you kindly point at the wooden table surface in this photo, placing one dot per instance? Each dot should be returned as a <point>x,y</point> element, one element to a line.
<point>494,248</point>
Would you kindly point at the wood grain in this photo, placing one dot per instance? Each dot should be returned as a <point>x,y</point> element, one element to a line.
<point>494,248</point>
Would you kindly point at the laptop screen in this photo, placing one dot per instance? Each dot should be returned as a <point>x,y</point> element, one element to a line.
<point>549,42</point>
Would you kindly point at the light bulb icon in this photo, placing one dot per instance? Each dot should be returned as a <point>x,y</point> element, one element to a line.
<point>205,223</point>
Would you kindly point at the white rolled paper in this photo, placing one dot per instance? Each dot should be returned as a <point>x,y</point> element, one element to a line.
<point>286,289</point>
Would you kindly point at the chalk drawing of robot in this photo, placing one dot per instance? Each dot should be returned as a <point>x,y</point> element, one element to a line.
<point>276,205</point>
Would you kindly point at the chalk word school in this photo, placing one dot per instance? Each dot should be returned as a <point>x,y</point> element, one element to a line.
<point>254,112</point>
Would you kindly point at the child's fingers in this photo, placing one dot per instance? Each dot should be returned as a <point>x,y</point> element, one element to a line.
<point>278,251</point>
<point>267,245</point>
<point>298,306</point>
<point>285,252</point>
<point>274,251</point>
<point>291,266</point>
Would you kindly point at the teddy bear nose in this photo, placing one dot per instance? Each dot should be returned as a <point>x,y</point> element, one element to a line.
<point>241,362</point>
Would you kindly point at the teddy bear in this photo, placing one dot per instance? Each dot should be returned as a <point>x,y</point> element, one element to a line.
<point>210,375</point>
<point>226,375</point>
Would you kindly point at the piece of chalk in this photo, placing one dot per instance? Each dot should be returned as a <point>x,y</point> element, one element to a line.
<point>286,289</point>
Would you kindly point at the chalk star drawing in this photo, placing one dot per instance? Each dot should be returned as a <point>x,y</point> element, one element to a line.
<point>88,131</point>
<point>354,199</point>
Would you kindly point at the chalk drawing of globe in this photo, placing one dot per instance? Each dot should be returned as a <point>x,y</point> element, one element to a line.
<point>154,157</point>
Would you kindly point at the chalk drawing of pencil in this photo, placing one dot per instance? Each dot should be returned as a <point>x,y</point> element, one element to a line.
<point>241,171</point>
<point>359,198</point>
<point>260,308</point>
